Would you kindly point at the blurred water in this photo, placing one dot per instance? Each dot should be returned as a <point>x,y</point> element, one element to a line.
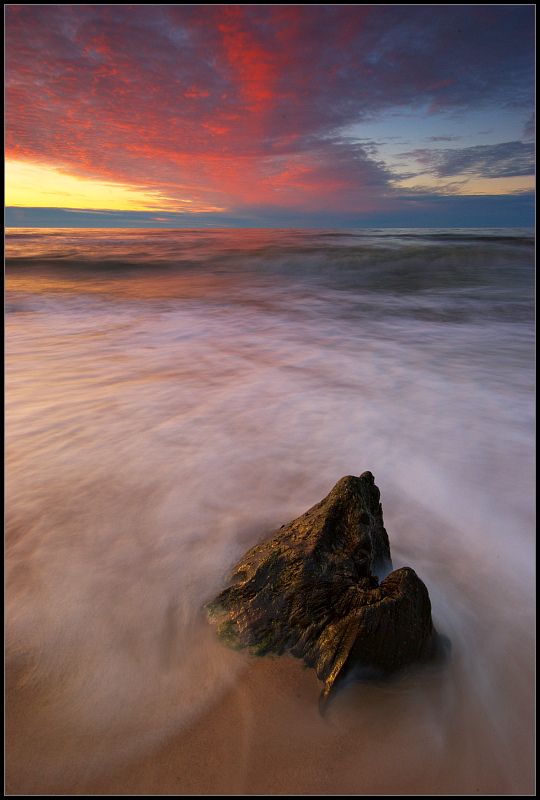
<point>172,396</point>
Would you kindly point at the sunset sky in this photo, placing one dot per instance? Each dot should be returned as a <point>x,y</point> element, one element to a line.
<point>269,115</point>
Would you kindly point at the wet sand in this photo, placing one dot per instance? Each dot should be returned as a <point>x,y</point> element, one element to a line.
<point>265,735</point>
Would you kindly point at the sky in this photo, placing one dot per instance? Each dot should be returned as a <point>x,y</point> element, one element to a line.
<point>269,115</point>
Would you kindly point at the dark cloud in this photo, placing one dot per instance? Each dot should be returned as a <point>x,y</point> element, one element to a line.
<point>506,160</point>
<point>412,210</point>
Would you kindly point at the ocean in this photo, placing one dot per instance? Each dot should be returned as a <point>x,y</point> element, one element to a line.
<point>174,396</point>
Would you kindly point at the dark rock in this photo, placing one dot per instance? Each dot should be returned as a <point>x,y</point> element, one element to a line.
<point>313,590</point>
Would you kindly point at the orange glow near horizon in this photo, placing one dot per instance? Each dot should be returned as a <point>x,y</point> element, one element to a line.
<point>33,185</point>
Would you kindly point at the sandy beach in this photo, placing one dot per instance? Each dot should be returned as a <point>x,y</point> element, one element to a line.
<point>265,736</point>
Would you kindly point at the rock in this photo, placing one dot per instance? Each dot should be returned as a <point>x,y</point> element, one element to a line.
<point>313,590</point>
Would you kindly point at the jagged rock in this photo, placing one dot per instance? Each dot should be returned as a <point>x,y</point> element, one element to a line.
<point>313,590</point>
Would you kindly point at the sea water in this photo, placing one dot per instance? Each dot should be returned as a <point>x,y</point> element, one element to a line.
<point>172,396</point>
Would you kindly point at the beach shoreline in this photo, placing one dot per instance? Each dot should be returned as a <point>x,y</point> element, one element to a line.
<point>157,429</point>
